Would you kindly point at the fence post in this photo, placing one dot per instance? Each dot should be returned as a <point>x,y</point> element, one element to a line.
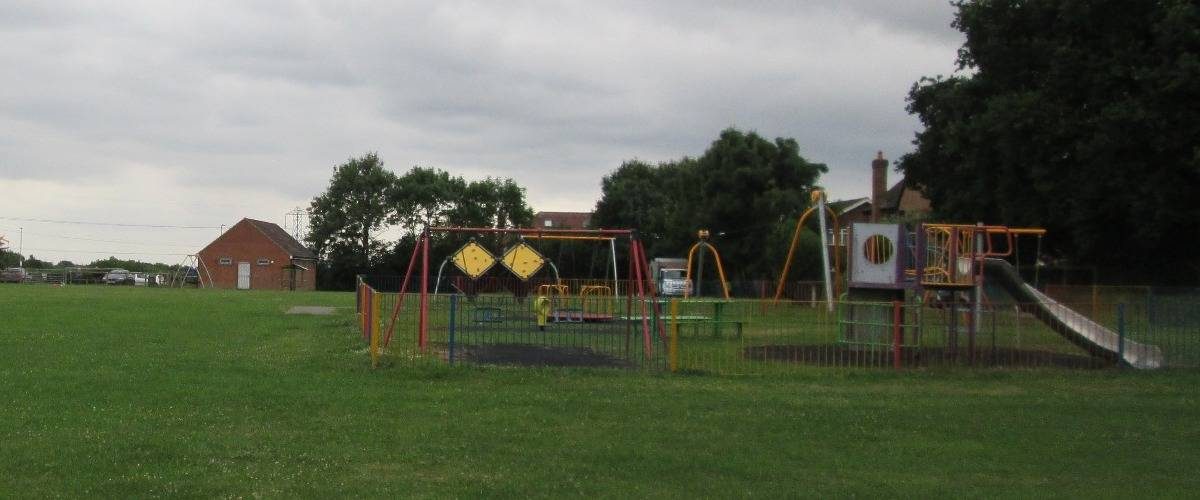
<point>1121,334</point>
<point>674,354</point>
<point>453,317</point>
<point>373,328</point>
<point>897,334</point>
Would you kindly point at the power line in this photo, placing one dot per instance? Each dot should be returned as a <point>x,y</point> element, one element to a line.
<point>102,253</point>
<point>113,224</point>
<point>80,238</point>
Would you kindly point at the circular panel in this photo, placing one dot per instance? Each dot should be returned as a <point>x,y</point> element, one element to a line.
<point>878,249</point>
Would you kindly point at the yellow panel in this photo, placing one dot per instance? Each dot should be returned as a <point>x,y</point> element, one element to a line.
<point>523,260</point>
<point>473,260</point>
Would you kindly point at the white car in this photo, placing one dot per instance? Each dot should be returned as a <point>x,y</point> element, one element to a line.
<point>673,282</point>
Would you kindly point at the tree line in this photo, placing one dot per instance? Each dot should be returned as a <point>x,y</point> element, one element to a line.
<point>745,190</point>
<point>13,259</point>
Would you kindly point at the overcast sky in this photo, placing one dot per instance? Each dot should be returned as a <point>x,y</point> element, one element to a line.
<point>199,114</point>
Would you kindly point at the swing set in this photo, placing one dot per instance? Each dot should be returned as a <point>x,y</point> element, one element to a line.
<point>597,300</point>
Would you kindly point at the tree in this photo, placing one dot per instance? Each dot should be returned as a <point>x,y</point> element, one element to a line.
<point>364,200</point>
<point>345,218</point>
<point>9,259</point>
<point>644,197</point>
<point>744,189</point>
<point>1076,116</point>
<point>34,263</point>
<point>749,187</point>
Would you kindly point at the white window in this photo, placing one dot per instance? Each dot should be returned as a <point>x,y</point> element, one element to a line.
<point>548,223</point>
<point>225,261</point>
<point>263,261</point>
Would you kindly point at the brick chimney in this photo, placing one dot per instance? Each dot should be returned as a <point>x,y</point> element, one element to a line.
<point>878,184</point>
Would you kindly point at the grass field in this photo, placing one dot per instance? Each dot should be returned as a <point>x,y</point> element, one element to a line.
<point>121,392</point>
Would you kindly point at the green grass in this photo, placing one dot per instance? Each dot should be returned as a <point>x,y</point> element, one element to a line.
<point>121,392</point>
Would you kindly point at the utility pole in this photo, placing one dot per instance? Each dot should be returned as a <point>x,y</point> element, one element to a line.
<point>21,245</point>
<point>296,223</point>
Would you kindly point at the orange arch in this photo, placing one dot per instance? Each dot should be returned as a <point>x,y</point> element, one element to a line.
<point>787,264</point>
<point>720,269</point>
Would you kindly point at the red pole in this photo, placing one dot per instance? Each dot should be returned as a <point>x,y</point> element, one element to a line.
<point>629,290</point>
<point>653,289</point>
<point>423,322</point>
<point>412,262</point>
<point>637,271</point>
<point>897,334</point>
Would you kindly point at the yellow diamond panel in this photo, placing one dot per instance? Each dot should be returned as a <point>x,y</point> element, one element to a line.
<point>523,260</point>
<point>473,260</point>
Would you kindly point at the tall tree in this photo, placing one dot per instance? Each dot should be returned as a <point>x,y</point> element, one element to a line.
<point>352,210</point>
<point>748,188</point>
<point>744,189</point>
<point>1077,116</point>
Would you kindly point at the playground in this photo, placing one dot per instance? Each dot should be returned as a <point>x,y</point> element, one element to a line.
<point>892,296</point>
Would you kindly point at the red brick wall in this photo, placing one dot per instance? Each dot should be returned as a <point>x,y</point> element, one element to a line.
<point>245,243</point>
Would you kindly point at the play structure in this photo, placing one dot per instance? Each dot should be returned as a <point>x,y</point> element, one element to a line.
<point>704,246</point>
<point>831,282</point>
<point>541,314</point>
<point>948,265</point>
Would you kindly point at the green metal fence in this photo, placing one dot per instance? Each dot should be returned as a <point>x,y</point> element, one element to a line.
<point>757,336</point>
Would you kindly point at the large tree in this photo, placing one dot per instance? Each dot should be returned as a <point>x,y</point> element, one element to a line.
<point>1075,115</point>
<point>352,210</point>
<point>744,189</point>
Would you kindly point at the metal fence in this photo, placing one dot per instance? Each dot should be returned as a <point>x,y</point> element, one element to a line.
<point>753,336</point>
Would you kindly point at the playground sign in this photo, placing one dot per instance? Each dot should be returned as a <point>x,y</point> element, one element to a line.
<point>523,261</point>
<point>473,260</point>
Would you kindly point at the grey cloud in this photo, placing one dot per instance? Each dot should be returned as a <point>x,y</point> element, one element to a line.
<point>272,95</point>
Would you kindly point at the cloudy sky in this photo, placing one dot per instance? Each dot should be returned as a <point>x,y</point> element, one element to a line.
<point>198,114</point>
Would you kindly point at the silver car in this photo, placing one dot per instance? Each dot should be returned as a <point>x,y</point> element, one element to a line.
<point>123,277</point>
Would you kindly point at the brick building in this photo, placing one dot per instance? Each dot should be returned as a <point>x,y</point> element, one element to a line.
<point>257,255</point>
<point>897,202</point>
<point>562,220</point>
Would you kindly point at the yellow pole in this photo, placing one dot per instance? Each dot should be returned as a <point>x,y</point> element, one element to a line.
<point>674,354</point>
<point>720,270</point>
<point>787,264</point>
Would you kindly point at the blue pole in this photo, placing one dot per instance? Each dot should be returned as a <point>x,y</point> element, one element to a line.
<point>453,310</point>
<point>1121,334</point>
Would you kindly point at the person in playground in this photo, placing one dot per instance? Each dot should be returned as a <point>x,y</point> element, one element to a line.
<point>542,307</point>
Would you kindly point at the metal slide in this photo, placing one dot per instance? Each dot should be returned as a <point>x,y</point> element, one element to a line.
<point>1075,327</point>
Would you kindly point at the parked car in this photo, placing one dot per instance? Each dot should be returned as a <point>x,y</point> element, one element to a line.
<point>118,276</point>
<point>13,275</point>
<point>673,282</point>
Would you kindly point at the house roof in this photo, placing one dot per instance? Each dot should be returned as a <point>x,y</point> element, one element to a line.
<point>843,206</point>
<point>891,198</point>
<point>570,220</point>
<point>285,241</point>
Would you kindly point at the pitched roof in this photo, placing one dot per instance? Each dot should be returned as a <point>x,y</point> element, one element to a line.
<point>843,206</point>
<point>567,220</point>
<point>891,198</point>
<point>283,239</point>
